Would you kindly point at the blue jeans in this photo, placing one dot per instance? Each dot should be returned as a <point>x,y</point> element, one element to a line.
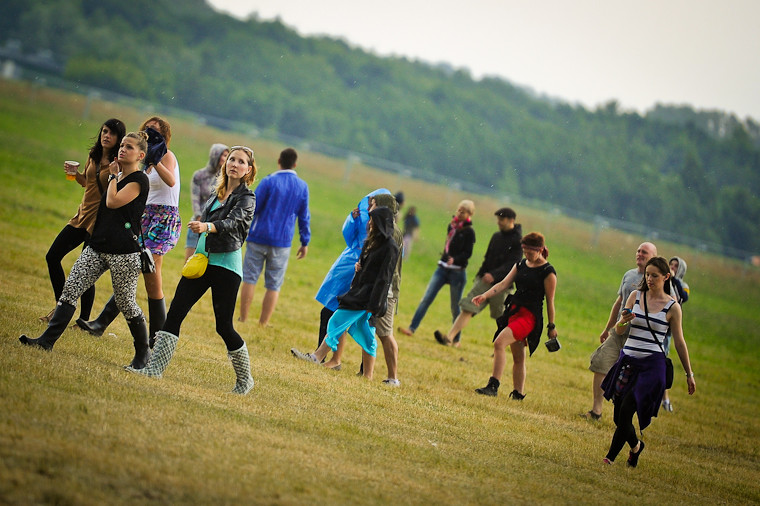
<point>456,279</point>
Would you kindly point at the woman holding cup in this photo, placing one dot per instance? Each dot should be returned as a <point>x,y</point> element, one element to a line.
<point>94,180</point>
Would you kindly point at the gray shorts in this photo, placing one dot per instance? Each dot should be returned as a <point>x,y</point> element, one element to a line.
<point>276,259</point>
<point>385,324</point>
<point>496,302</point>
<point>605,356</point>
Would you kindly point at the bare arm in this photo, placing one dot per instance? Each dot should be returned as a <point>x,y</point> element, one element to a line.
<point>166,168</point>
<point>550,287</point>
<point>497,288</point>
<point>674,319</point>
<point>614,312</point>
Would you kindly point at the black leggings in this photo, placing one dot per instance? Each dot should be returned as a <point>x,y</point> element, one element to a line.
<point>224,286</point>
<point>324,317</point>
<point>68,239</point>
<point>625,432</point>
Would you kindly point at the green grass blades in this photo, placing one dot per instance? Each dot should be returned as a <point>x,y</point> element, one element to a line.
<point>75,428</point>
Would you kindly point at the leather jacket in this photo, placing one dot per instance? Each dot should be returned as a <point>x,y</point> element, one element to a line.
<point>231,220</point>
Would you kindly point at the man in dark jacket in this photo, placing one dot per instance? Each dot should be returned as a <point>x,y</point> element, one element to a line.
<point>503,253</point>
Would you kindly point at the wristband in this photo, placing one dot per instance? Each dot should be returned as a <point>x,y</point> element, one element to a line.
<point>111,177</point>
<point>208,227</point>
<point>551,326</point>
<point>690,374</point>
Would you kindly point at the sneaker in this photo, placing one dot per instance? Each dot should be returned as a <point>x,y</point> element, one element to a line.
<point>590,415</point>
<point>392,382</point>
<point>514,394</point>
<point>405,331</point>
<point>309,357</point>
<point>633,458</point>
<point>667,406</point>
<point>441,338</point>
<point>607,461</point>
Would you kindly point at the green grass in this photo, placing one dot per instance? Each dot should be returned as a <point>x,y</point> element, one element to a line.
<point>76,429</point>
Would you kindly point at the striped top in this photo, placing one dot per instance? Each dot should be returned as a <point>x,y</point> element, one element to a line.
<point>640,342</point>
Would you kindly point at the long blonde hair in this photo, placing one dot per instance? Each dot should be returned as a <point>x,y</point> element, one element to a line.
<point>222,180</point>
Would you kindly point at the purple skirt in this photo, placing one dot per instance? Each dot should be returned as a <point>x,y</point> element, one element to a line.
<point>646,381</point>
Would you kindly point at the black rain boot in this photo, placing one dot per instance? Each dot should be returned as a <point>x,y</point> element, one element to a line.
<point>61,317</point>
<point>140,338</point>
<point>156,318</point>
<point>99,325</point>
<point>491,389</point>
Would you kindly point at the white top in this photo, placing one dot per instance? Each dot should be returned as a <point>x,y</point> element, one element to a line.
<point>641,342</point>
<point>160,193</point>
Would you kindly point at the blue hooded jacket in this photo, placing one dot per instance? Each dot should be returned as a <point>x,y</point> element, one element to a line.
<point>338,279</point>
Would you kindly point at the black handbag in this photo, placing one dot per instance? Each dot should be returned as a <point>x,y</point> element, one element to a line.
<point>147,264</point>
<point>668,362</point>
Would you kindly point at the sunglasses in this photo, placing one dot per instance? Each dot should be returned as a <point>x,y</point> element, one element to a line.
<point>248,150</point>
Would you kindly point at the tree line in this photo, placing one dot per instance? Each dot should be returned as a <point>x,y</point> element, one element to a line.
<point>696,173</point>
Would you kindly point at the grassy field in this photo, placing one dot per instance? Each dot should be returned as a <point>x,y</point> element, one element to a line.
<point>76,429</point>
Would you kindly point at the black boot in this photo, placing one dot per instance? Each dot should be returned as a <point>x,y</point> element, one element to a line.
<point>61,317</point>
<point>99,325</point>
<point>140,337</point>
<point>156,318</point>
<point>491,389</point>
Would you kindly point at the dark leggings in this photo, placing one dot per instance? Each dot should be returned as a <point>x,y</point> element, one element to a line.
<point>625,432</point>
<point>324,317</point>
<point>224,286</point>
<point>68,239</point>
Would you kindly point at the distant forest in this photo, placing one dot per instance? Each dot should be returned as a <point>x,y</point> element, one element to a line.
<point>696,173</point>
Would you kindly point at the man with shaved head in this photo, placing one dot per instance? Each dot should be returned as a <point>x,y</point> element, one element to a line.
<point>608,351</point>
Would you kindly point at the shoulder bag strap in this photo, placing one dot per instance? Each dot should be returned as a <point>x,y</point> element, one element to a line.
<point>646,317</point>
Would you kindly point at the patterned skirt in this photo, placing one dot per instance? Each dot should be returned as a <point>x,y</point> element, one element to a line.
<point>161,227</point>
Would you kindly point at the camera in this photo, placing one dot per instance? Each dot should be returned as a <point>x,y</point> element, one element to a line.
<point>553,345</point>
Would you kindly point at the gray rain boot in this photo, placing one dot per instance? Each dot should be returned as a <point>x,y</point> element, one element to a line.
<point>241,362</point>
<point>140,337</point>
<point>166,343</point>
<point>99,325</point>
<point>63,314</point>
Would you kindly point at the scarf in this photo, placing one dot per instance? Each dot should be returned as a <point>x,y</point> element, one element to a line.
<point>455,225</point>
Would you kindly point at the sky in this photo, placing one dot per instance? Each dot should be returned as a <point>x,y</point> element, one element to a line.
<point>702,53</point>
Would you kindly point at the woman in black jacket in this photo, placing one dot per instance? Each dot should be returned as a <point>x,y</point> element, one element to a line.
<point>224,225</point>
<point>368,296</point>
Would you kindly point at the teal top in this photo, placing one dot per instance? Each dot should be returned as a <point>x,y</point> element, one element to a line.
<point>231,260</point>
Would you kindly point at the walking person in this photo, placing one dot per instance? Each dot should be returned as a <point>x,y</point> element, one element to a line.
<point>160,224</point>
<point>637,380</point>
<point>679,290</point>
<point>503,252</point>
<point>224,223</point>
<point>607,353</point>
<point>282,197</point>
<point>520,326</point>
<point>367,299</point>
<point>341,273</point>
<point>113,246</point>
<point>78,230</point>
<point>411,229</point>
<point>201,188</point>
<point>460,238</point>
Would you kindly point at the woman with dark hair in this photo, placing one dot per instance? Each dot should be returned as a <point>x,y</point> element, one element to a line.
<point>161,226</point>
<point>113,247</point>
<point>535,280</point>
<point>367,298</point>
<point>78,230</point>
<point>223,227</point>
<point>637,381</point>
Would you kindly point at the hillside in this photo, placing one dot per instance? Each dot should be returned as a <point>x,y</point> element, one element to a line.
<point>691,173</point>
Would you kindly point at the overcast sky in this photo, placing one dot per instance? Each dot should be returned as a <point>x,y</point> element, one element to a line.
<point>698,52</point>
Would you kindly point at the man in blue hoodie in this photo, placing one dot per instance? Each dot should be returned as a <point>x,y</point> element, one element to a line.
<point>281,197</point>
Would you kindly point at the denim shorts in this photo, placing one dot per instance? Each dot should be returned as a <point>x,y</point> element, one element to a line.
<point>276,260</point>
<point>191,240</point>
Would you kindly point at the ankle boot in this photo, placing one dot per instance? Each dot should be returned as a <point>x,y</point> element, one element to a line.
<point>166,343</point>
<point>241,362</point>
<point>140,338</point>
<point>63,314</point>
<point>491,389</point>
<point>156,318</point>
<point>99,325</point>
